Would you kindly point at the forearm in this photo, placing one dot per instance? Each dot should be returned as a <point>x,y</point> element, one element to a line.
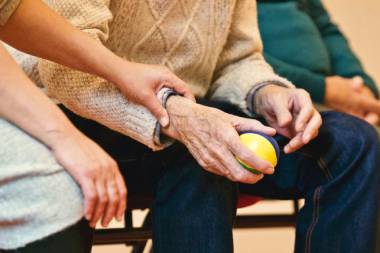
<point>94,98</point>
<point>48,35</point>
<point>23,104</point>
<point>239,79</point>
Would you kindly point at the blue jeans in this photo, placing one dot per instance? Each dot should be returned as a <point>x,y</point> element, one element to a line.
<point>194,211</point>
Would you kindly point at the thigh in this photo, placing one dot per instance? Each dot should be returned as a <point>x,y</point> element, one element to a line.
<point>37,196</point>
<point>75,239</point>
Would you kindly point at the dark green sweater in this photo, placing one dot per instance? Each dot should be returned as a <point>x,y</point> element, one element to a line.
<point>303,45</point>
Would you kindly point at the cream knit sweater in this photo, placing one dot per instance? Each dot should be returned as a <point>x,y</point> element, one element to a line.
<point>213,45</point>
<point>7,7</point>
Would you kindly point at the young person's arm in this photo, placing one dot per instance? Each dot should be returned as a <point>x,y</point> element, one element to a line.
<point>23,104</point>
<point>98,99</point>
<point>35,29</point>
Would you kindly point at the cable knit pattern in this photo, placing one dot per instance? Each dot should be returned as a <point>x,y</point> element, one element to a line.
<point>7,7</point>
<point>213,45</point>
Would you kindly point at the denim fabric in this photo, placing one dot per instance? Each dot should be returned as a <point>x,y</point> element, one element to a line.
<point>194,210</point>
<point>74,239</point>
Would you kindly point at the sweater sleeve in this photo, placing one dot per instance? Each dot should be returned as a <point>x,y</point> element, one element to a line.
<point>7,7</point>
<point>241,65</point>
<point>90,96</point>
<point>344,62</point>
<point>301,77</point>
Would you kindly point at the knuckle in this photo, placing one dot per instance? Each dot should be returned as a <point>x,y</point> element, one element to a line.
<point>238,176</point>
<point>123,193</point>
<point>302,92</point>
<point>208,161</point>
<point>103,199</point>
<point>114,198</point>
<point>91,172</point>
<point>245,156</point>
<point>112,163</point>
<point>92,196</point>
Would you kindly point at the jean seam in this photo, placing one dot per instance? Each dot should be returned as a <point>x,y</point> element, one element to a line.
<point>314,220</point>
<point>321,163</point>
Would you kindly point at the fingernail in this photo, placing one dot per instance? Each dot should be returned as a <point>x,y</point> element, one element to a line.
<point>119,218</point>
<point>164,121</point>
<point>307,138</point>
<point>269,171</point>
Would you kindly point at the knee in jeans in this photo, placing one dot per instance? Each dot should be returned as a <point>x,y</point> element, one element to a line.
<point>350,131</point>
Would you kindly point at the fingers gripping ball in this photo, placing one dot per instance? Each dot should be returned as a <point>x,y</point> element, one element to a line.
<point>262,146</point>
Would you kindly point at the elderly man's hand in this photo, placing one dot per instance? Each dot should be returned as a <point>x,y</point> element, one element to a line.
<point>291,112</point>
<point>212,138</point>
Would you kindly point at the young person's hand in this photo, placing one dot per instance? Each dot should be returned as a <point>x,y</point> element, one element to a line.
<point>141,82</point>
<point>349,95</point>
<point>95,171</point>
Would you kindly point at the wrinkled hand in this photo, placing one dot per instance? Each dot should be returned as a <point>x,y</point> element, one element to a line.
<point>212,138</point>
<point>97,174</point>
<point>141,82</point>
<point>349,95</point>
<point>291,112</point>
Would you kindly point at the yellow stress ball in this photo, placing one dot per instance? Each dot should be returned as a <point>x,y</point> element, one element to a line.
<point>262,146</point>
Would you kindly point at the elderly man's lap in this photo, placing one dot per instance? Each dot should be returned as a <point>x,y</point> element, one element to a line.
<point>187,197</point>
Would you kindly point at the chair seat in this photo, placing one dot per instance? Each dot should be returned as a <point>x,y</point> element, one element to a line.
<point>144,202</point>
<point>247,200</point>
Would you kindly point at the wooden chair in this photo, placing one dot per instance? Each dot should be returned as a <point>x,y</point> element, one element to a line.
<point>137,237</point>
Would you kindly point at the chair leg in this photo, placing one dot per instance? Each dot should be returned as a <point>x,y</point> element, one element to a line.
<point>139,247</point>
<point>296,209</point>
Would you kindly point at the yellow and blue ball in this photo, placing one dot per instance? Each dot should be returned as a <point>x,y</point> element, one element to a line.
<point>262,146</point>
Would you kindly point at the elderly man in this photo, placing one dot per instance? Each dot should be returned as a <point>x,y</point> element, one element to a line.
<point>215,47</point>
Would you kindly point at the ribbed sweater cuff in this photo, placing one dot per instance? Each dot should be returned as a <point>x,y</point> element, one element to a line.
<point>159,139</point>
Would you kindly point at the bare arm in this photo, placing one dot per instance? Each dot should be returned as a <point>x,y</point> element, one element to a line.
<point>49,36</point>
<point>23,104</point>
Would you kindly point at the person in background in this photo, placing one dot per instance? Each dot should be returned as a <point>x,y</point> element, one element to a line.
<point>305,46</point>
<point>46,164</point>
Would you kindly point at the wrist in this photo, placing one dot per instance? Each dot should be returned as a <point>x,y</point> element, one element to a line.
<point>117,70</point>
<point>179,109</point>
<point>259,97</point>
<point>55,136</point>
